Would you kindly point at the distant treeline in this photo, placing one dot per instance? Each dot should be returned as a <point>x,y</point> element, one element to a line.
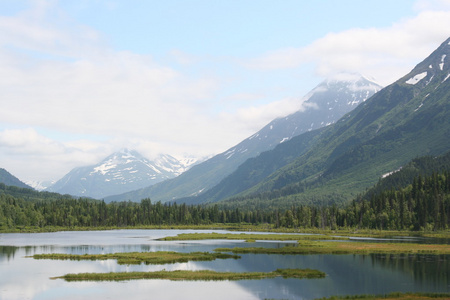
<point>424,204</point>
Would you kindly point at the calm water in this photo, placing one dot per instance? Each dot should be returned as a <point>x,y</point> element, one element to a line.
<point>22,277</point>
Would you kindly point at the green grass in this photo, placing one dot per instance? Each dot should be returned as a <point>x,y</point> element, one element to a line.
<point>160,257</point>
<point>193,275</point>
<point>322,247</point>
<point>325,233</point>
<point>249,237</point>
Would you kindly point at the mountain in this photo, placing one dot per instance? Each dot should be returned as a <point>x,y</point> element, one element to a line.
<point>422,166</point>
<point>120,172</point>
<point>323,106</point>
<point>40,185</point>
<point>407,119</point>
<point>9,179</point>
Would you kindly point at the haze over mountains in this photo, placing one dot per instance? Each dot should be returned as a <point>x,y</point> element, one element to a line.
<point>127,170</point>
<point>318,155</point>
<point>407,119</point>
<point>323,106</point>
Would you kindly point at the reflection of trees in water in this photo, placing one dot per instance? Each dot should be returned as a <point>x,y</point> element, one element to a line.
<point>424,267</point>
<point>7,252</point>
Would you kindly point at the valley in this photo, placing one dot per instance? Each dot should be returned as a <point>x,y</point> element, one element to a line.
<point>351,193</point>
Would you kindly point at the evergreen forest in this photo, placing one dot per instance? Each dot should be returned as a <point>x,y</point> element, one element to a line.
<point>414,198</point>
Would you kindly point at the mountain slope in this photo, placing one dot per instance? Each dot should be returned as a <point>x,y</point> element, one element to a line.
<point>407,119</point>
<point>9,179</point>
<point>120,172</point>
<point>324,105</point>
<point>253,170</point>
<point>421,166</point>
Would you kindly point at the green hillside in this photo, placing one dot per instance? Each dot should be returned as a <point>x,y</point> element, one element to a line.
<point>9,179</point>
<point>399,123</point>
<point>417,198</point>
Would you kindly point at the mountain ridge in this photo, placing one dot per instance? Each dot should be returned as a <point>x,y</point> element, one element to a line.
<point>121,171</point>
<point>11,180</point>
<point>324,105</point>
<point>408,118</point>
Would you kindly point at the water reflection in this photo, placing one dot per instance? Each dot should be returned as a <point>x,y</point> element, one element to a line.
<point>7,252</point>
<point>346,274</point>
<point>431,269</point>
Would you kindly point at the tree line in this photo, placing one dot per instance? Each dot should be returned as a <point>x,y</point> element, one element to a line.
<point>422,205</point>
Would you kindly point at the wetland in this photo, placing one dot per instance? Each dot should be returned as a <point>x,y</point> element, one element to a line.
<point>29,261</point>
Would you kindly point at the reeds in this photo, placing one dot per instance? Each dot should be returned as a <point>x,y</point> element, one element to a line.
<point>133,258</point>
<point>323,247</point>
<point>249,237</point>
<point>205,275</point>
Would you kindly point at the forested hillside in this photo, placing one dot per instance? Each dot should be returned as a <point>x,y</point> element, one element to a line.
<point>421,204</point>
<point>9,179</point>
<point>402,121</point>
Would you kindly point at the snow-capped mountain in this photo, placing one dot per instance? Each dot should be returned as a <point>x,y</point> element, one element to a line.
<point>407,119</point>
<point>40,185</point>
<point>324,105</point>
<point>122,171</point>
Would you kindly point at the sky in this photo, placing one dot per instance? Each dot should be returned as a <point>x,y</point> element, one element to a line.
<point>82,79</point>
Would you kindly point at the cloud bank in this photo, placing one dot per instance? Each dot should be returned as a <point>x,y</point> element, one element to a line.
<point>69,98</point>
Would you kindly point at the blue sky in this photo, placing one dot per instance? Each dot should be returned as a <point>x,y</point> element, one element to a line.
<point>81,79</point>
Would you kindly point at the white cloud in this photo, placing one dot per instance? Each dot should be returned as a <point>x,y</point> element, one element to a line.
<point>28,141</point>
<point>62,76</point>
<point>75,84</point>
<point>33,156</point>
<point>253,118</point>
<point>421,5</point>
<point>384,53</point>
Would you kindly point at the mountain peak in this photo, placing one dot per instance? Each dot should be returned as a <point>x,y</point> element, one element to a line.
<point>349,77</point>
<point>324,106</point>
<point>344,84</point>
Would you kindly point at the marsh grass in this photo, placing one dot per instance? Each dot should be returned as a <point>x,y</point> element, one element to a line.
<point>249,237</point>
<point>133,258</point>
<point>323,247</point>
<point>204,275</point>
<point>354,232</point>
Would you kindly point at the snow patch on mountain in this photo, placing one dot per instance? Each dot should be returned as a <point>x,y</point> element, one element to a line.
<point>448,75</point>
<point>39,185</point>
<point>441,65</point>
<point>417,78</point>
<point>390,173</point>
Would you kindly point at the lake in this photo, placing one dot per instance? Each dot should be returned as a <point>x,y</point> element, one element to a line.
<point>23,277</point>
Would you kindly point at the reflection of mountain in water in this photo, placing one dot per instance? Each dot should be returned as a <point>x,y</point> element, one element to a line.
<point>346,274</point>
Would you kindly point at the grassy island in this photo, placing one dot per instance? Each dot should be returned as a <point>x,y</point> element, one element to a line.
<point>160,257</point>
<point>193,275</point>
<point>249,237</point>
<point>323,247</point>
